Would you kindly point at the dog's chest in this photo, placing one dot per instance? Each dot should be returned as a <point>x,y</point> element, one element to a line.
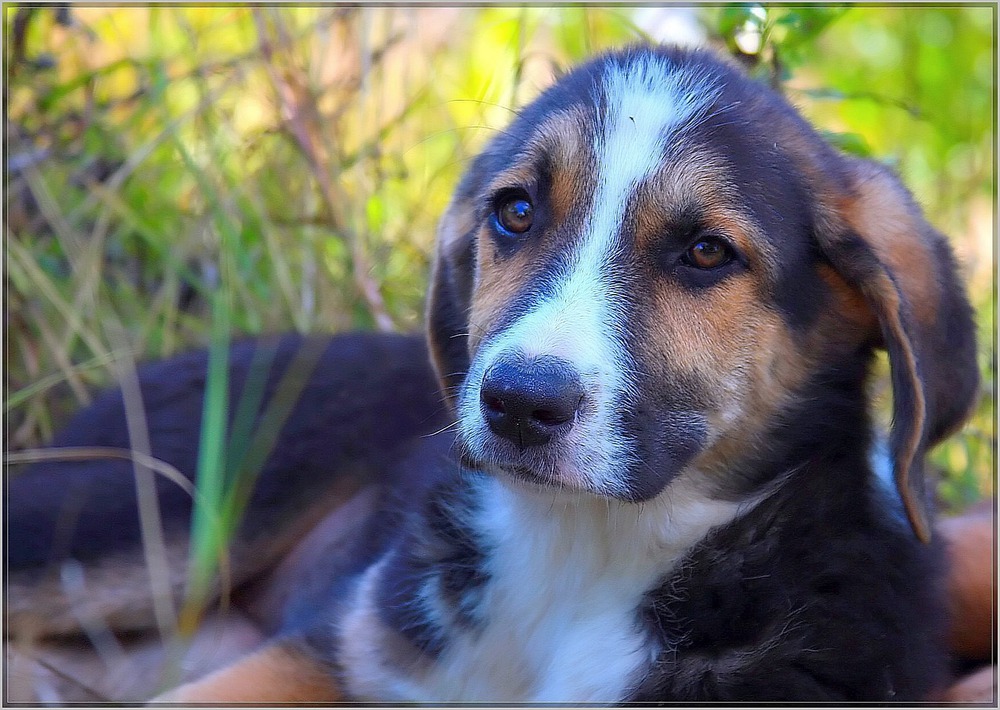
<point>558,619</point>
<point>541,647</point>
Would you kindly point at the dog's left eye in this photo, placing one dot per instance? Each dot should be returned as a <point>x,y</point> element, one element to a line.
<point>708,253</point>
<point>515,214</point>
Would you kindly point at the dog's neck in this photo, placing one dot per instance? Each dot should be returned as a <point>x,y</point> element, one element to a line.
<point>545,526</point>
<point>552,611</point>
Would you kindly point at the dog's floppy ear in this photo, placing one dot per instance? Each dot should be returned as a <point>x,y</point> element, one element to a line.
<point>881,244</point>
<point>450,296</point>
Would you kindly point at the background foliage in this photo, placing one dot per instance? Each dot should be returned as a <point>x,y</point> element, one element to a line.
<point>174,172</point>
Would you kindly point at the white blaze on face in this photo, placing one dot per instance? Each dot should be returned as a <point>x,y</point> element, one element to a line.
<point>641,104</point>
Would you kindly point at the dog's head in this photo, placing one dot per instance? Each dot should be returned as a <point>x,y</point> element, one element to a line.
<point>655,262</point>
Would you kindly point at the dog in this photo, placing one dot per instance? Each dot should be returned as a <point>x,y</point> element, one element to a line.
<point>654,309</point>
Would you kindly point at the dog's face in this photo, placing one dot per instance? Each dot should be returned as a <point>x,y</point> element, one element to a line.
<point>656,259</point>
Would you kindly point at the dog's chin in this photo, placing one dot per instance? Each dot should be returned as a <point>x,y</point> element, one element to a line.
<point>512,472</point>
<point>536,470</point>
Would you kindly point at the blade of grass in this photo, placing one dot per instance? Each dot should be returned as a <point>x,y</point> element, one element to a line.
<point>18,398</point>
<point>150,520</point>
<point>279,407</point>
<point>49,207</point>
<point>30,270</point>
<point>242,429</point>
<point>97,453</point>
<point>277,253</point>
<point>206,533</point>
<point>60,353</point>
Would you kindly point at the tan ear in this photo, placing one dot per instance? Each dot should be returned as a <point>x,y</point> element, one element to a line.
<point>450,295</point>
<point>881,244</point>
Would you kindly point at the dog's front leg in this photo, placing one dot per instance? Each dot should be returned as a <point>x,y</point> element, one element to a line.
<point>280,673</point>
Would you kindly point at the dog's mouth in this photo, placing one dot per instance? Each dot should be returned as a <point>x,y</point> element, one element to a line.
<point>625,468</point>
<point>541,475</point>
<point>516,471</point>
<point>542,470</point>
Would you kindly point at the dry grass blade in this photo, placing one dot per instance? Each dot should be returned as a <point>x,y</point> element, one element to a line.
<point>29,268</point>
<point>97,453</point>
<point>150,521</point>
<point>67,372</point>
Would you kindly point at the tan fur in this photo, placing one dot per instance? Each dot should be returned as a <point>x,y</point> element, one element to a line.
<point>695,178</point>
<point>559,143</point>
<point>569,162</point>
<point>879,211</point>
<point>698,178</point>
<point>739,350</point>
<point>850,319</point>
<point>972,582</point>
<point>276,674</point>
<point>907,453</point>
<point>496,288</point>
<point>724,337</point>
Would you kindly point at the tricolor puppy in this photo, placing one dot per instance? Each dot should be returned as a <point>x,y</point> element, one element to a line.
<point>656,300</point>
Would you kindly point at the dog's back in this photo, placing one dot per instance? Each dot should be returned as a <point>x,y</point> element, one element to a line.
<point>334,415</point>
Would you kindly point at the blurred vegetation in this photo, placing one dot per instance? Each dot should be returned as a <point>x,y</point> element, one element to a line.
<point>174,172</point>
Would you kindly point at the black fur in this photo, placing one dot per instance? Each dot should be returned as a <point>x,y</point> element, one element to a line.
<point>436,556</point>
<point>336,429</point>
<point>812,596</point>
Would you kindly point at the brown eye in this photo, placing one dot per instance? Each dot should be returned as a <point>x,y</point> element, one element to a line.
<point>708,253</point>
<point>515,215</point>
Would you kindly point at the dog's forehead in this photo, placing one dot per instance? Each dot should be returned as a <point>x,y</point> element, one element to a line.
<point>630,106</point>
<point>672,137</point>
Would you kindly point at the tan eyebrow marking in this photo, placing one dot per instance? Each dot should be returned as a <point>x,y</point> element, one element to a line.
<point>700,179</point>
<point>559,146</point>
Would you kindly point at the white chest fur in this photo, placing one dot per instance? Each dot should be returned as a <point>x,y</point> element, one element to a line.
<point>558,617</point>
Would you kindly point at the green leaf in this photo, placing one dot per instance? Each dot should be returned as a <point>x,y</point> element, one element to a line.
<point>853,143</point>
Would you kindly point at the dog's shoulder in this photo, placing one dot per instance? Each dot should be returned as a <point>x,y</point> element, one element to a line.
<point>821,591</point>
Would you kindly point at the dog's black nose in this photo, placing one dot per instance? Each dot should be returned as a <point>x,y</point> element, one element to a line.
<point>530,402</point>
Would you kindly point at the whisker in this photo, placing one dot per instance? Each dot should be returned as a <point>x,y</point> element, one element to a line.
<point>446,427</point>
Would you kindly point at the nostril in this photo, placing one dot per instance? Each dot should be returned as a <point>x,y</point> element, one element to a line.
<point>529,402</point>
<point>551,417</point>
<point>494,404</point>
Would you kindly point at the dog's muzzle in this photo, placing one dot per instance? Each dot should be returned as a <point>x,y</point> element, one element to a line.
<point>530,402</point>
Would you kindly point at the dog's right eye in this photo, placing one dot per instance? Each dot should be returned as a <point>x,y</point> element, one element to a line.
<point>708,253</point>
<point>514,214</point>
